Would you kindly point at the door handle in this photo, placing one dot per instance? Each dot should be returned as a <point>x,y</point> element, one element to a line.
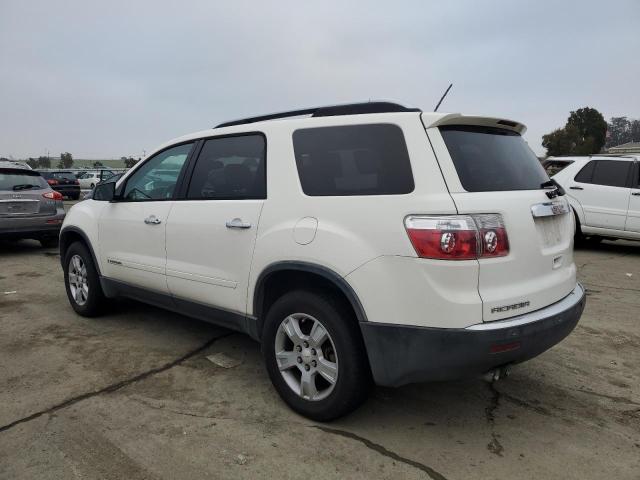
<point>237,223</point>
<point>637,194</point>
<point>152,220</point>
<point>576,188</point>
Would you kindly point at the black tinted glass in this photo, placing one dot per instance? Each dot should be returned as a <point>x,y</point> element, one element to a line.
<point>64,175</point>
<point>611,173</point>
<point>20,180</point>
<point>492,159</point>
<point>353,160</point>
<point>586,174</point>
<point>230,168</point>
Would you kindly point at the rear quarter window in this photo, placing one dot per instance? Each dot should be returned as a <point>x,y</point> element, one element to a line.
<point>350,160</point>
<point>492,159</point>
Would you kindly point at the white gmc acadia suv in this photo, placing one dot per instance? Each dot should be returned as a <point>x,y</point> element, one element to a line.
<point>361,242</point>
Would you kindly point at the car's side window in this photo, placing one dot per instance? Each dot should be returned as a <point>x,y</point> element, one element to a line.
<point>586,173</point>
<point>157,178</point>
<point>611,173</point>
<point>353,160</point>
<point>230,168</point>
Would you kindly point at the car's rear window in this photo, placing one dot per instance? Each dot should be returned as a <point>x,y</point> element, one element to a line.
<point>65,175</point>
<point>492,159</point>
<point>20,180</point>
<point>346,160</point>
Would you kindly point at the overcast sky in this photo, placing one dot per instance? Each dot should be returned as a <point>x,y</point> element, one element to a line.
<point>107,79</point>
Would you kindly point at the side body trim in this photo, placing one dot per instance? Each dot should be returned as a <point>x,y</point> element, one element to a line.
<point>224,318</point>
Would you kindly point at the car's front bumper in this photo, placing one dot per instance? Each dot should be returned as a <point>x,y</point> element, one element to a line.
<point>401,354</point>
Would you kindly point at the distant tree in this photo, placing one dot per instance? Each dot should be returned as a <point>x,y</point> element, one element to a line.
<point>129,161</point>
<point>592,128</point>
<point>97,164</point>
<point>618,131</point>
<point>584,134</point>
<point>635,131</point>
<point>622,130</point>
<point>32,162</point>
<point>562,141</point>
<point>44,162</point>
<point>66,160</point>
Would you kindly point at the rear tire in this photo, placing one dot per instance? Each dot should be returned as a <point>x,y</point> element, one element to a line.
<point>339,354</point>
<point>48,242</point>
<point>82,282</point>
<point>75,196</point>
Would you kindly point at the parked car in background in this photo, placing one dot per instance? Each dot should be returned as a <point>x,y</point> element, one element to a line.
<point>365,242</point>
<point>88,180</point>
<point>29,207</point>
<point>553,165</point>
<point>112,178</point>
<point>63,181</point>
<point>604,193</point>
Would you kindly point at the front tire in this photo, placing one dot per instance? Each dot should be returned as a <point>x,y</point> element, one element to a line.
<point>315,355</point>
<point>81,281</point>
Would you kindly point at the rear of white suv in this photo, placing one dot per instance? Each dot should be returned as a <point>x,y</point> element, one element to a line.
<point>368,241</point>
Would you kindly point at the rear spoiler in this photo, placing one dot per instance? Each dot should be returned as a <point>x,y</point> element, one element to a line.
<point>438,120</point>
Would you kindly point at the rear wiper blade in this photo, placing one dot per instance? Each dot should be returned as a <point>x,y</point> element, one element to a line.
<point>555,189</point>
<point>24,186</point>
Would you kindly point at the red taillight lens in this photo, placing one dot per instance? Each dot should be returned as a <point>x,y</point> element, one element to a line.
<point>493,235</point>
<point>452,237</point>
<point>52,195</point>
<point>458,237</point>
<point>52,181</point>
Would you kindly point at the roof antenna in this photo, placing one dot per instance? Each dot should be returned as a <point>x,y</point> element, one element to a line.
<point>442,98</point>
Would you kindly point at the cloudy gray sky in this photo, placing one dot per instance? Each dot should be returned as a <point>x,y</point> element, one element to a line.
<point>106,79</point>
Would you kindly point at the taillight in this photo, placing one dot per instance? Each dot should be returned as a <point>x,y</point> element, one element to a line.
<point>52,181</point>
<point>458,237</point>
<point>52,195</point>
<point>493,235</point>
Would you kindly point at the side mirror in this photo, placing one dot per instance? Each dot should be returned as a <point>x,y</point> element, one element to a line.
<point>104,192</point>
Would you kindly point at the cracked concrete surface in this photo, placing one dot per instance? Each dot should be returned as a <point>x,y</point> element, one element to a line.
<point>131,395</point>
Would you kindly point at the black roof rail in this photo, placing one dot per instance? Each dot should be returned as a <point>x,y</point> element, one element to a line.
<point>328,111</point>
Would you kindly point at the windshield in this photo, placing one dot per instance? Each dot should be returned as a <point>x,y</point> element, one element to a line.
<point>492,159</point>
<point>20,180</point>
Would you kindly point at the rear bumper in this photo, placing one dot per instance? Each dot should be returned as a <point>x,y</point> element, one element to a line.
<point>401,354</point>
<point>32,227</point>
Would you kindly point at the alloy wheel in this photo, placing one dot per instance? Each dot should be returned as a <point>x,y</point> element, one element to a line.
<point>306,356</point>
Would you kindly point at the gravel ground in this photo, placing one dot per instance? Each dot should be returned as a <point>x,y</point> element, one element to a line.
<point>132,395</point>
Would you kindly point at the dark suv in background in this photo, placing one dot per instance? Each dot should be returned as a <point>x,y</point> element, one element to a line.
<point>29,207</point>
<point>64,182</point>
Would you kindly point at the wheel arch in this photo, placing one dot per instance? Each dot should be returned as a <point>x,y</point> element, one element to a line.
<point>72,234</point>
<point>276,279</point>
